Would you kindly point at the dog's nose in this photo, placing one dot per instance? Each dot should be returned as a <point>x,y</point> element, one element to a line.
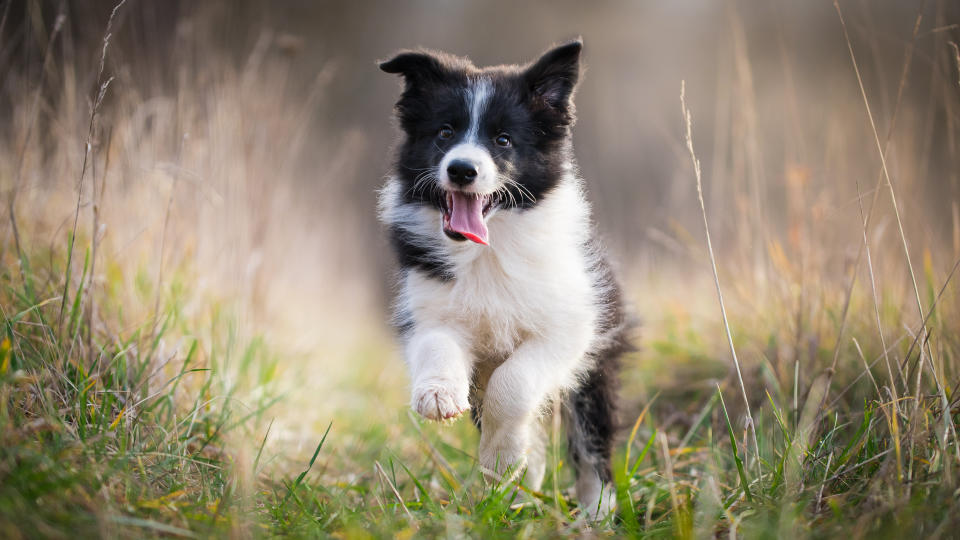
<point>461,172</point>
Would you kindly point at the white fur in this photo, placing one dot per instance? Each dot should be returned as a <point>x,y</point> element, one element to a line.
<point>441,374</point>
<point>478,94</point>
<point>598,500</point>
<point>522,312</point>
<point>486,181</point>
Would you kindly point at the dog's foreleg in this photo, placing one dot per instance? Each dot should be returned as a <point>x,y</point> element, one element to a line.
<point>440,371</point>
<point>536,457</point>
<point>518,388</point>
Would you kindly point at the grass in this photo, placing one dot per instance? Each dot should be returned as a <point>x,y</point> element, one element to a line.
<point>146,390</point>
<point>109,443</point>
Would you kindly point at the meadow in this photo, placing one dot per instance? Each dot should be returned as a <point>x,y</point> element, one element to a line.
<point>194,341</point>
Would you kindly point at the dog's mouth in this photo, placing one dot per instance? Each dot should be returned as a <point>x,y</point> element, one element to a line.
<point>464,215</point>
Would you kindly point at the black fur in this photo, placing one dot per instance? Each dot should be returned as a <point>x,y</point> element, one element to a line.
<point>415,254</point>
<point>590,413</point>
<point>590,418</point>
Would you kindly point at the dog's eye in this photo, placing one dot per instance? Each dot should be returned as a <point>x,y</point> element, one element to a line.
<point>503,140</point>
<point>446,132</point>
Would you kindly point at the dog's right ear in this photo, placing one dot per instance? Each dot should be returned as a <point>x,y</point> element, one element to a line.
<point>417,67</point>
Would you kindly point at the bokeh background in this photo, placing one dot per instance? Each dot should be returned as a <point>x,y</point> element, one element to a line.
<point>240,145</point>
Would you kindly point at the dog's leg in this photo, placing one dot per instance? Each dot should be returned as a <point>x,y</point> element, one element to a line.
<point>518,388</point>
<point>440,371</point>
<point>536,453</point>
<point>590,424</point>
<point>536,457</point>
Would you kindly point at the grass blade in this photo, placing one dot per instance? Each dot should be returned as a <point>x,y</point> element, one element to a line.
<point>296,483</point>
<point>744,484</point>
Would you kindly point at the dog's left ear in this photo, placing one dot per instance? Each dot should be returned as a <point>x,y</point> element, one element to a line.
<point>553,77</point>
<point>417,67</point>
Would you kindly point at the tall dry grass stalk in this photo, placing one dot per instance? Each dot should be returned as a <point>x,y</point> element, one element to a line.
<point>688,119</point>
<point>100,92</point>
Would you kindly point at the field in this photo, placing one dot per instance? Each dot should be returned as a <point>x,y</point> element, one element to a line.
<point>194,297</point>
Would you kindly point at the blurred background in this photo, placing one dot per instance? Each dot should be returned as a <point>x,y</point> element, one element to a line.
<point>239,147</point>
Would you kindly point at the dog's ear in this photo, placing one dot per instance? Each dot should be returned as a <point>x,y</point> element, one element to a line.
<point>417,67</point>
<point>553,77</point>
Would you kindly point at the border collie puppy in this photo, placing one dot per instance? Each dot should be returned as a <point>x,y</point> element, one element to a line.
<point>506,303</point>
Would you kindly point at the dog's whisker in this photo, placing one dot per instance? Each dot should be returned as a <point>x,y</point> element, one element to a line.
<point>513,199</point>
<point>522,190</point>
<point>421,181</point>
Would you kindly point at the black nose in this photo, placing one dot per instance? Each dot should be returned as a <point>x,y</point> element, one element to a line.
<point>461,172</point>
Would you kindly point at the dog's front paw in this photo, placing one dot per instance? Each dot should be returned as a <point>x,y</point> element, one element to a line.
<point>503,454</point>
<point>440,400</point>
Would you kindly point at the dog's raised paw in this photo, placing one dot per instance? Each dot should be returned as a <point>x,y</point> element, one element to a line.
<point>439,401</point>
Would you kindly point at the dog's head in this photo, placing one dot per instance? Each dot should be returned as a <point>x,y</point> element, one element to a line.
<point>479,141</point>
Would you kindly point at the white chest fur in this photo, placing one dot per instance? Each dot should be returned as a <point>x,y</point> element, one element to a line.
<point>532,280</point>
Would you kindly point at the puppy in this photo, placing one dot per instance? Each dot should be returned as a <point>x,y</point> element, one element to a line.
<point>506,304</point>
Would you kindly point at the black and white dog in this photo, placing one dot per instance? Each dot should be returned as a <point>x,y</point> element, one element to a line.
<point>506,303</point>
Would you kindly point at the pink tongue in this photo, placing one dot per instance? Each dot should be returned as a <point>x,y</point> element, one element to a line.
<point>466,216</point>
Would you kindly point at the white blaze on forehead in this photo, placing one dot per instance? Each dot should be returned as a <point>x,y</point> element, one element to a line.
<point>478,94</point>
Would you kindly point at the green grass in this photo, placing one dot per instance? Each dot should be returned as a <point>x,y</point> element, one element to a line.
<point>108,433</point>
<point>110,439</point>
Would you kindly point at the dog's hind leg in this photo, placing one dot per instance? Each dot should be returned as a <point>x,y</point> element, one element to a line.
<point>590,421</point>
